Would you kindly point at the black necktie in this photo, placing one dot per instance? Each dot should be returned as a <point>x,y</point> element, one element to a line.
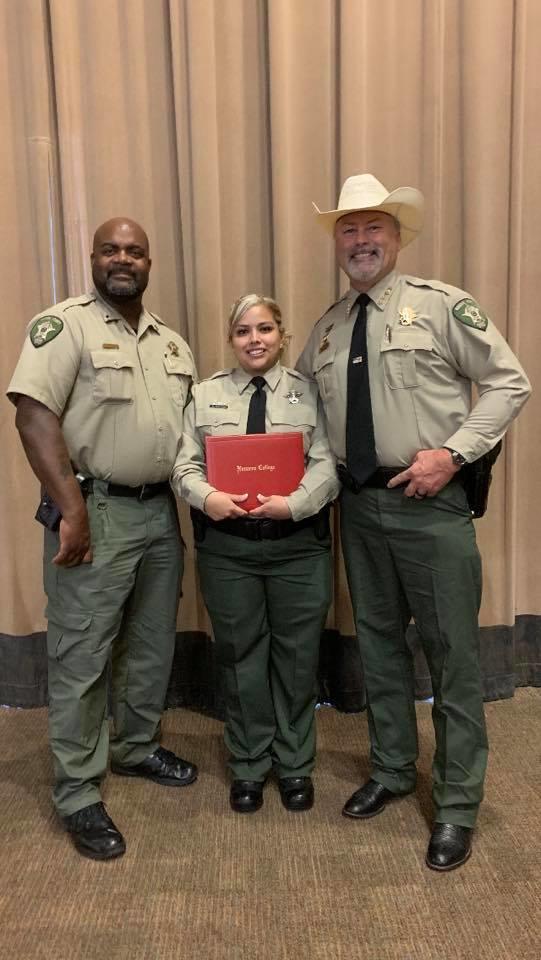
<point>256,410</point>
<point>360,445</point>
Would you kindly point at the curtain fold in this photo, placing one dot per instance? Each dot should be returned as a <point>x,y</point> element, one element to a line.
<point>215,123</point>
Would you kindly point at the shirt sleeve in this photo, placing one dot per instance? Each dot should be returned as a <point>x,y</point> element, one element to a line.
<point>305,361</point>
<point>320,484</point>
<point>484,357</point>
<point>195,377</point>
<point>48,372</point>
<point>189,476</point>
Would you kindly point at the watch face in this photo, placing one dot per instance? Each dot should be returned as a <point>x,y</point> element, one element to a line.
<point>456,457</point>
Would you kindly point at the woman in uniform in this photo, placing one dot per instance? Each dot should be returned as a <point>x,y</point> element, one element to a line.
<point>265,574</point>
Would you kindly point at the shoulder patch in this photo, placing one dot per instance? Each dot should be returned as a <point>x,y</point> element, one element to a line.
<point>470,313</point>
<point>45,329</point>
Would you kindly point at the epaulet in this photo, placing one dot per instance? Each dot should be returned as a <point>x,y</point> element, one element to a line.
<point>83,301</point>
<point>297,374</point>
<point>454,293</point>
<point>328,310</point>
<point>45,326</point>
<point>59,309</point>
<point>217,375</point>
<point>459,303</point>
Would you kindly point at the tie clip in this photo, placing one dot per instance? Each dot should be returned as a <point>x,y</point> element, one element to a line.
<point>357,360</point>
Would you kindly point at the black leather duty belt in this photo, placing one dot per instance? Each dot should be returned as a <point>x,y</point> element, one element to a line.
<point>264,529</point>
<point>250,528</point>
<point>145,492</point>
<point>379,479</point>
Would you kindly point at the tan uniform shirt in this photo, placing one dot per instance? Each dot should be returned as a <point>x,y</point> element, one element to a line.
<point>119,395</point>
<point>422,361</point>
<point>219,407</point>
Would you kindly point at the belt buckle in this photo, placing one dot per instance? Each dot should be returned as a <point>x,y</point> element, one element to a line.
<point>142,493</point>
<point>269,529</point>
<point>255,528</point>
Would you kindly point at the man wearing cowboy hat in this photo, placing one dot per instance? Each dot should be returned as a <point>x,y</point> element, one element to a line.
<point>395,359</point>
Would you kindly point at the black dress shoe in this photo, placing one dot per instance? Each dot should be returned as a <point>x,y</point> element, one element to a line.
<point>94,833</point>
<point>449,847</point>
<point>246,796</point>
<point>162,767</point>
<point>297,793</point>
<point>368,800</point>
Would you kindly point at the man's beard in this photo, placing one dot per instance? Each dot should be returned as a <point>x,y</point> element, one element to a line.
<point>363,272</point>
<point>122,289</point>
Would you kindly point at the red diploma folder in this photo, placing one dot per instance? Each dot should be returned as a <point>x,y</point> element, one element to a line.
<point>255,463</point>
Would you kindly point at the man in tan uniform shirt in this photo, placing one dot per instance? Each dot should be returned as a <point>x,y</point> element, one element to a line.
<point>100,389</point>
<point>407,532</point>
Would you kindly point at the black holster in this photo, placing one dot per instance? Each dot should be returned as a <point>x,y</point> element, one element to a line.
<point>199,524</point>
<point>322,525</point>
<point>48,512</point>
<point>476,479</point>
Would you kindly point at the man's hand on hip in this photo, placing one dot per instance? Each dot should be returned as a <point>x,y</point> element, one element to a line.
<point>74,541</point>
<point>429,472</point>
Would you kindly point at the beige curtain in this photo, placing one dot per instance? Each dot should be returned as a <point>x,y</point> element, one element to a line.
<point>215,123</point>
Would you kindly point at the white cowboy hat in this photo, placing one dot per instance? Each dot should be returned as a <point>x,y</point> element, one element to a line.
<point>364,192</point>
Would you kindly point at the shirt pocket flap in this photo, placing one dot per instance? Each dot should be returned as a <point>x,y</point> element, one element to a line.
<point>110,358</point>
<point>294,414</point>
<point>208,416</point>
<point>408,340</point>
<point>177,365</point>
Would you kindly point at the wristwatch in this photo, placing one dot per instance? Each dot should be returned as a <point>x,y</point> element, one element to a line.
<point>456,457</point>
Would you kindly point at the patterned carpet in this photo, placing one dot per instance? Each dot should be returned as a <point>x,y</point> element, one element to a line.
<point>199,881</point>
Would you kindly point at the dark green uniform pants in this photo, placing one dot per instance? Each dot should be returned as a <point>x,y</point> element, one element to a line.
<point>407,557</point>
<point>126,601</point>
<point>267,601</point>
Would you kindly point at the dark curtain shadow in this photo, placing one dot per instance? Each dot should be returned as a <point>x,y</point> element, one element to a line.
<point>510,658</point>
